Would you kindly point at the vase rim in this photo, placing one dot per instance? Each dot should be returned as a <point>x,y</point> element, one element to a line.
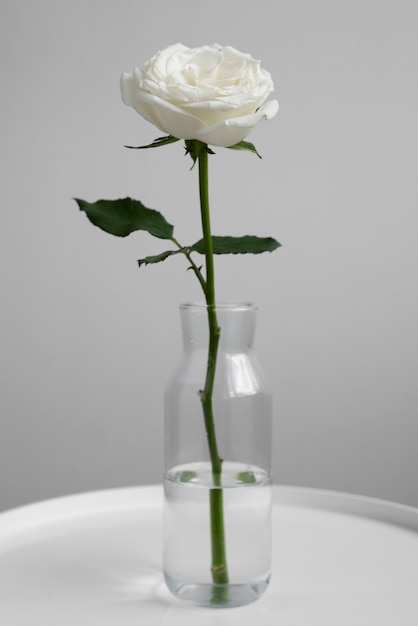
<point>222,305</point>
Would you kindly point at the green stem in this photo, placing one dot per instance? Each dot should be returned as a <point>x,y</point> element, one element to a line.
<point>219,565</point>
<point>193,265</point>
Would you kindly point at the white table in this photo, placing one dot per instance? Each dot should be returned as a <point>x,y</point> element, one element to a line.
<point>95,560</point>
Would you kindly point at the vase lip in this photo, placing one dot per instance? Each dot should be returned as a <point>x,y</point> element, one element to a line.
<point>220,306</point>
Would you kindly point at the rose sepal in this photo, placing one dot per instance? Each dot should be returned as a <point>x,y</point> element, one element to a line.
<point>246,145</point>
<point>160,141</point>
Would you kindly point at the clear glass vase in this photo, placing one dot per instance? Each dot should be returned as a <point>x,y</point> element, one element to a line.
<point>217,522</point>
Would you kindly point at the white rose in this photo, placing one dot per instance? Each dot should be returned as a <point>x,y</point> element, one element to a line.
<point>211,93</point>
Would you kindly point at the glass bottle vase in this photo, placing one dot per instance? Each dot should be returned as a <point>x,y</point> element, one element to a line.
<point>217,509</point>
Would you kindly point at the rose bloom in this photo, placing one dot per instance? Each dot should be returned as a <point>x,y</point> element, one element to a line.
<point>214,94</point>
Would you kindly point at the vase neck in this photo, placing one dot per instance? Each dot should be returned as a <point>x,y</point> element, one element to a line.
<point>236,321</point>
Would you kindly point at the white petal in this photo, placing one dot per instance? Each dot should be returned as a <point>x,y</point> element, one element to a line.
<point>234,130</point>
<point>222,134</point>
<point>269,109</point>
<point>265,112</point>
<point>126,88</point>
<point>167,117</point>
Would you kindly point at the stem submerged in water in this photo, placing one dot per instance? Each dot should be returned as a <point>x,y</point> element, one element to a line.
<point>219,567</point>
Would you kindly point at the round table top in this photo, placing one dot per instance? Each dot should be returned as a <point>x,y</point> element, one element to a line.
<point>95,559</point>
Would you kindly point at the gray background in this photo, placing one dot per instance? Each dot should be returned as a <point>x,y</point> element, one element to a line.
<point>88,340</point>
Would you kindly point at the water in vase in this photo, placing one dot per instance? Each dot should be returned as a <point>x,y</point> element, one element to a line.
<point>247,518</point>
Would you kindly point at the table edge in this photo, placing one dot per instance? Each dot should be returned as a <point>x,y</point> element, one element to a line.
<point>130,499</point>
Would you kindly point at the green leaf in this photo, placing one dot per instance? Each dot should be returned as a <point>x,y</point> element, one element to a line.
<point>187,476</point>
<point>248,244</point>
<point>160,141</point>
<point>124,216</point>
<point>246,477</point>
<point>245,145</point>
<point>157,258</point>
